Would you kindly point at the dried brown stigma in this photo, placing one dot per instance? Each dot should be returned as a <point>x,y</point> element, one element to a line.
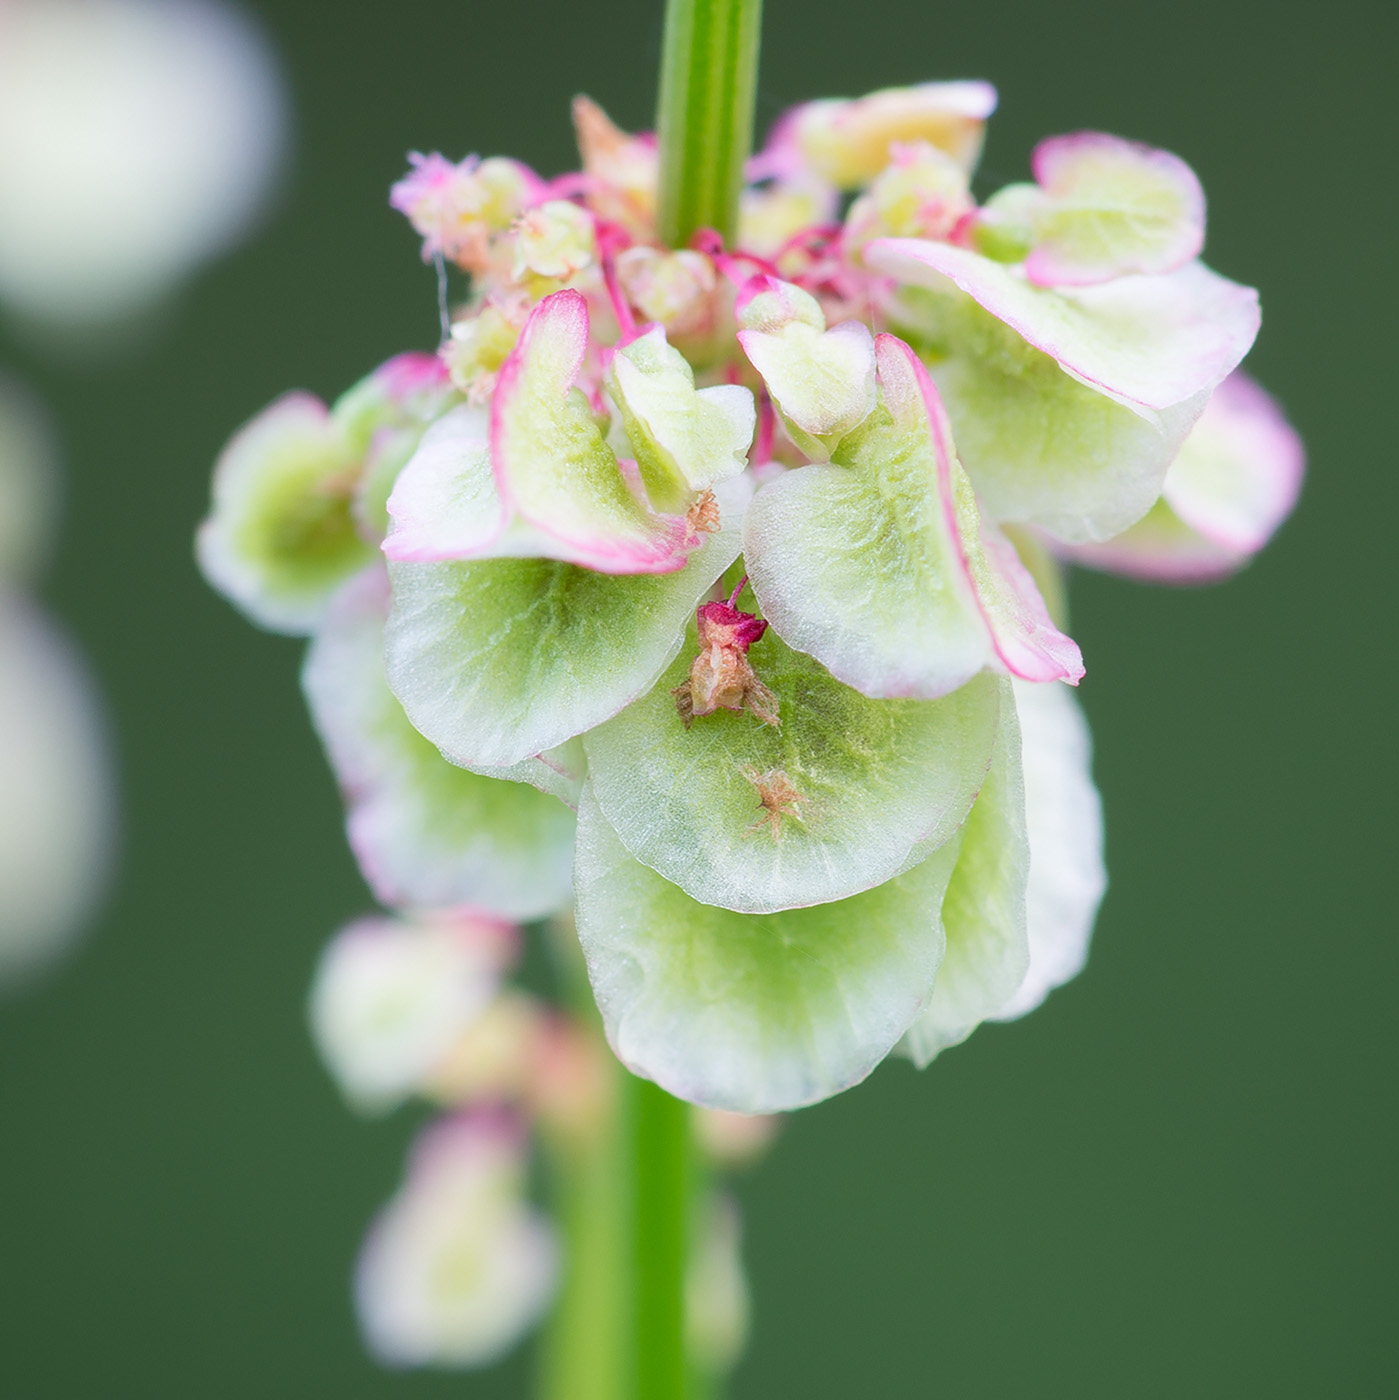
<point>777,796</point>
<point>702,518</point>
<point>721,676</point>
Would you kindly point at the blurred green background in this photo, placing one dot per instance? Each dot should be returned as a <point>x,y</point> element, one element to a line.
<point>1175,1179</point>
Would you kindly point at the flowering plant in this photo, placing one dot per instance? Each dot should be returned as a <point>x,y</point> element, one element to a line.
<point>704,589</point>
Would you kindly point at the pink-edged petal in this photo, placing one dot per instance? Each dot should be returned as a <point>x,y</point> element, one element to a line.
<point>552,464</point>
<point>444,504</point>
<point>1148,342</point>
<point>1027,642</point>
<point>1159,548</point>
<point>411,388</point>
<point>1112,207</point>
<point>1239,473</point>
<point>880,566</point>
<point>1234,481</point>
<point>846,141</point>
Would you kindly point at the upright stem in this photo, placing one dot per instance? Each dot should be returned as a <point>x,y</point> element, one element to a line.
<point>658,1138</point>
<point>584,1354</point>
<point>704,121</point>
<point>627,1202</point>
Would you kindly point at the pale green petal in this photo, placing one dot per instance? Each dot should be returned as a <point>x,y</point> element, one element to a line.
<point>878,783</point>
<point>428,834</point>
<point>1040,446</point>
<point>683,439</point>
<point>752,1012</point>
<point>552,462</point>
<point>282,535</point>
<point>499,659</point>
<point>881,567</point>
<point>1064,826</point>
<point>983,912</point>
<point>1112,207</point>
<point>855,564</point>
<point>821,381</point>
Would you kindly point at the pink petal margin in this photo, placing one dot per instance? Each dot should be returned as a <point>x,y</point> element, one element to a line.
<point>563,317</point>
<point>1218,520</point>
<point>1024,638</point>
<point>1150,342</point>
<point>1054,162</point>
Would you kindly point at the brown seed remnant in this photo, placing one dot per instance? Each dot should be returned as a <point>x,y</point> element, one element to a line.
<point>702,518</point>
<point>778,798</point>
<point>722,677</point>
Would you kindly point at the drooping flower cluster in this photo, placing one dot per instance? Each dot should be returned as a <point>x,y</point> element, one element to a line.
<point>458,1265</point>
<point>714,593</point>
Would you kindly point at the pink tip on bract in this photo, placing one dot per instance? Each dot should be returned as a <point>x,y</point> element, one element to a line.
<point>1024,639</point>
<point>1235,480</point>
<point>1112,207</point>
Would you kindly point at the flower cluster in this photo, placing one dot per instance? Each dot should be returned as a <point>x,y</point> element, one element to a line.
<point>459,1265</point>
<point>714,594</point>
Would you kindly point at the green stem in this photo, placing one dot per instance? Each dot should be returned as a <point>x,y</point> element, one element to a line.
<point>659,1147</point>
<point>626,1199</point>
<point>584,1354</point>
<point>704,120</point>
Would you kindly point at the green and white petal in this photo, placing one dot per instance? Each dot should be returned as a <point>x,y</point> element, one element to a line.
<point>445,503</point>
<point>683,439</point>
<point>496,660</point>
<point>1068,404</point>
<point>427,833</point>
<point>1112,207</point>
<point>873,785</point>
<point>983,912</point>
<point>1064,826</point>
<point>757,1013</point>
<point>879,564</point>
<point>822,381</point>
<point>1232,484</point>
<point>282,534</point>
<point>1038,445</point>
<point>553,466</point>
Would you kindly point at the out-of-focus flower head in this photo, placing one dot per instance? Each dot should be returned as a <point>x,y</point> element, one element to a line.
<point>138,138</point>
<point>457,1267</point>
<point>57,800</point>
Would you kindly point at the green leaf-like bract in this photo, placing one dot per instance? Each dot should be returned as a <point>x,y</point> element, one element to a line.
<point>428,834</point>
<point>983,913</point>
<point>752,1012</point>
<point>499,659</point>
<point>879,782</point>
<point>1038,445</point>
